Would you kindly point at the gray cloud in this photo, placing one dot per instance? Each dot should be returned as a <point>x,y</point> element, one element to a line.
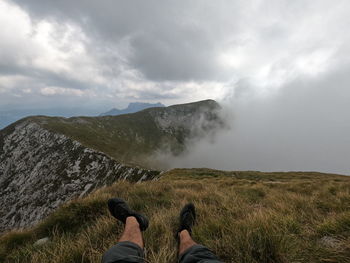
<point>168,40</point>
<point>45,77</point>
<point>168,58</point>
<point>283,65</point>
<point>304,126</point>
<point>194,41</point>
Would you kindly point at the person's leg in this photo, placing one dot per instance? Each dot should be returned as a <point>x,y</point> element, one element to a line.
<point>187,220</point>
<point>185,241</point>
<point>130,246</point>
<point>189,250</point>
<point>132,232</point>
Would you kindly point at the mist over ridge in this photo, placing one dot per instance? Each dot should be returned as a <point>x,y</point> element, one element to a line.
<point>303,126</point>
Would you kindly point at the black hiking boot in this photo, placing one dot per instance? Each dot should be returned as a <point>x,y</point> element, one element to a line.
<point>187,218</point>
<point>120,210</point>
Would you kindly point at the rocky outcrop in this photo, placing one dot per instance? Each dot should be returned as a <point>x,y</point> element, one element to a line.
<point>193,119</point>
<point>186,124</point>
<point>40,169</point>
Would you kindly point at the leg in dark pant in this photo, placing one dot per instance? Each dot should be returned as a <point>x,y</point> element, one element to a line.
<point>130,245</point>
<point>190,251</point>
<point>132,232</point>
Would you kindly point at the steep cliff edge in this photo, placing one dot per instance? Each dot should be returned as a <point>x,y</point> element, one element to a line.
<point>39,170</point>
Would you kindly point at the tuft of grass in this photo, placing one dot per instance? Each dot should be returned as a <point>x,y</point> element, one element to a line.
<point>13,240</point>
<point>253,195</point>
<point>243,217</point>
<point>71,217</point>
<point>336,225</point>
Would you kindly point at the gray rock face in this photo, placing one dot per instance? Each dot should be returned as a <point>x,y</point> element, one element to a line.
<point>189,121</point>
<point>194,118</point>
<point>39,170</point>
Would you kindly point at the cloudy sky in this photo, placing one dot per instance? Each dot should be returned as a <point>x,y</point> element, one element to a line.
<point>282,67</point>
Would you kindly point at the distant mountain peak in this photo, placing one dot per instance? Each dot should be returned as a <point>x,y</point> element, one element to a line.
<point>132,108</point>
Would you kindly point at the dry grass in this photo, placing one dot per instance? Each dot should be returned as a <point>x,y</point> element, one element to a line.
<point>242,216</point>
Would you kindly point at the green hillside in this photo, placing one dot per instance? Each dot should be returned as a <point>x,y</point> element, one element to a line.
<point>243,217</point>
<point>132,138</point>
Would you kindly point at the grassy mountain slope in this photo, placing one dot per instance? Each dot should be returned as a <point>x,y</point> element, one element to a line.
<point>131,137</point>
<point>242,216</point>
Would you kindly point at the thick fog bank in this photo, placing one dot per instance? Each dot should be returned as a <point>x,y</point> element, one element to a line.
<point>303,126</point>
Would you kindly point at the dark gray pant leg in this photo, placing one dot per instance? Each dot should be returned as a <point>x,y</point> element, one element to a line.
<point>198,253</point>
<point>124,252</point>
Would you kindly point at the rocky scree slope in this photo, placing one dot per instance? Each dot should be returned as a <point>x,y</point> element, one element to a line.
<point>39,170</point>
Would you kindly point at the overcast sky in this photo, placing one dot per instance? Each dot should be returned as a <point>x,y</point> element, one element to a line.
<point>282,64</point>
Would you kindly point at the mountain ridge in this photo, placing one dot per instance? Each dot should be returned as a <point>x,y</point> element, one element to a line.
<point>132,108</point>
<point>131,138</point>
<point>46,161</point>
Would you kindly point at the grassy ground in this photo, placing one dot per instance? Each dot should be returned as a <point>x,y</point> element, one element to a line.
<point>242,216</point>
<point>126,138</point>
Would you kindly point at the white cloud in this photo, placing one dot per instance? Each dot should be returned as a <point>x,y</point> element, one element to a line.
<point>50,91</point>
<point>35,54</point>
<point>84,45</point>
<point>245,52</point>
